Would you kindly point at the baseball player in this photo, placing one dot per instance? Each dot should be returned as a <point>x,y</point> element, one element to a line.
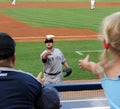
<point>14,2</point>
<point>92,4</point>
<point>53,59</point>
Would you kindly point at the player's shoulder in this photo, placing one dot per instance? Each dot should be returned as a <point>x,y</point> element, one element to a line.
<point>57,49</point>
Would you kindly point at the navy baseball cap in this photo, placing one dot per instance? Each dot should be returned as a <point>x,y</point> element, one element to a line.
<point>49,98</point>
<point>7,46</point>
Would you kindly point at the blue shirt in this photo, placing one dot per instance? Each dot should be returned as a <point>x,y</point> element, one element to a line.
<point>111,87</point>
<point>18,90</point>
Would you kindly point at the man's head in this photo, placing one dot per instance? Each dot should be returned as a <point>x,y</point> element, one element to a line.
<point>49,38</point>
<point>7,46</point>
<point>49,41</point>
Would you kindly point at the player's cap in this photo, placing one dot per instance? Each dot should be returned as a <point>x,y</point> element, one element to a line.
<point>7,46</point>
<point>49,38</point>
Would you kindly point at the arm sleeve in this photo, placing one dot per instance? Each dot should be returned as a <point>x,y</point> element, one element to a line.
<point>43,60</point>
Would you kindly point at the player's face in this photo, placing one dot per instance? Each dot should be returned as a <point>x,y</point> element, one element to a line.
<point>49,45</point>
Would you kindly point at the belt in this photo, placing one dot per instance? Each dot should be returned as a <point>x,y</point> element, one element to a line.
<point>52,73</point>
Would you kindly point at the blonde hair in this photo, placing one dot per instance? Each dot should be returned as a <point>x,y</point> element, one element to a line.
<point>110,33</point>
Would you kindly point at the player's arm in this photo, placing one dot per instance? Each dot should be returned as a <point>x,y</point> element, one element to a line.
<point>66,64</point>
<point>45,55</point>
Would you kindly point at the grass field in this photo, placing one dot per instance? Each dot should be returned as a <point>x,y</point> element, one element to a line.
<point>63,17</point>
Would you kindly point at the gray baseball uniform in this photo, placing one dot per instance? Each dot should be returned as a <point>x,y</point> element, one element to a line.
<point>53,67</point>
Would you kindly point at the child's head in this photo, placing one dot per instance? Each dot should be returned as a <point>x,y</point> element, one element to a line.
<point>110,30</point>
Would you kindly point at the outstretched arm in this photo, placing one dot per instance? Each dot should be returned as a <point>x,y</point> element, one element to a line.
<point>93,67</point>
<point>45,55</point>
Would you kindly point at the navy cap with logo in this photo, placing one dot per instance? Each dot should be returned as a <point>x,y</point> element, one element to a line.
<point>7,46</point>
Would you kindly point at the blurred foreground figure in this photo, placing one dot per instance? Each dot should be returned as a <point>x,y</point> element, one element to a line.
<point>108,69</point>
<point>21,90</point>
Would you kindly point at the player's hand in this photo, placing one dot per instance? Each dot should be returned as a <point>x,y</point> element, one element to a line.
<point>48,52</point>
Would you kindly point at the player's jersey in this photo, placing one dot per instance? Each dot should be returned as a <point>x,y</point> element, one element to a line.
<point>18,89</point>
<point>54,61</point>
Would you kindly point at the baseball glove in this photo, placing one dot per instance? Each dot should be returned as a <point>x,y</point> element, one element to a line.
<point>68,71</point>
